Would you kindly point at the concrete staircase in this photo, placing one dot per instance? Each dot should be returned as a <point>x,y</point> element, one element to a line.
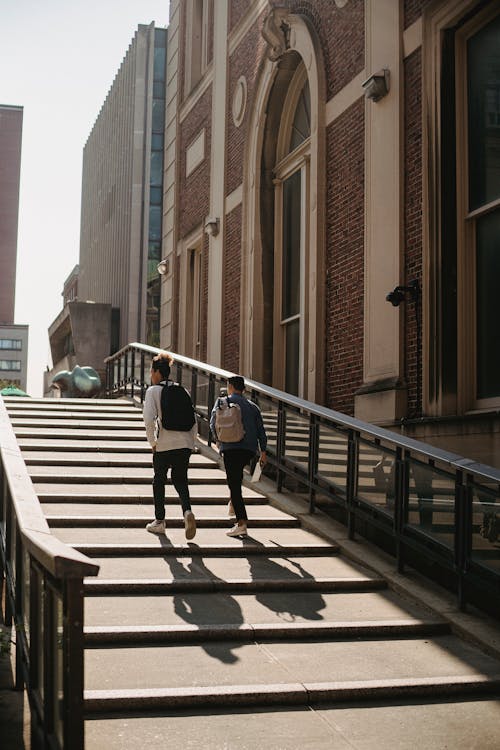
<point>277,641</point>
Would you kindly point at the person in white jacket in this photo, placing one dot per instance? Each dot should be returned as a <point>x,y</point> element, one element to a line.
<point>171,450</point>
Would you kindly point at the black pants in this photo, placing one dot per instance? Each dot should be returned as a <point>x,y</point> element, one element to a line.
<point>178,461</point>
<point>235,459</point>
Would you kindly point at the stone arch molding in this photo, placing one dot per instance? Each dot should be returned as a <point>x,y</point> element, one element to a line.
<point>284,32</point>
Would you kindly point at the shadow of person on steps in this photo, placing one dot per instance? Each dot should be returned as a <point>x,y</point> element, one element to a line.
<point>289,605</point>
<point>207,608</point>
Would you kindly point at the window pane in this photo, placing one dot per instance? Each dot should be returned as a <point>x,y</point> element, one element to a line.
<point>157,142</point>
<point>158,115</point>
<point>155,196</point>
<point>159,64</point>
<point>291,245</point>
<point>155,222</point>
<point>483,71</point>
<point>488,307</point>
<point>301,128</point>
<point>156,176</point>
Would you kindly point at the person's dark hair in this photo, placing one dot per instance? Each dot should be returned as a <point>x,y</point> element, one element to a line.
<point>237,382</point>
<point>163,363</point>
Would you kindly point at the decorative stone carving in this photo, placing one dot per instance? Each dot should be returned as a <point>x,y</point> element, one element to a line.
<point>275,31</point>
<point>341,3</point>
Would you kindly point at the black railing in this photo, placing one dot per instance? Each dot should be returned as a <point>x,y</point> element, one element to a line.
<point>431,508</point>
<point>44,603</point>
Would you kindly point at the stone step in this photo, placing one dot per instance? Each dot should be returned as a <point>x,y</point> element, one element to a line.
<point>80,424</point>
<point>61,417</point>
<point>13,401</point>
<point>83,433</point>
<point>166,676</point>
<point>78,512</point>
<point>246,632</point>
<point>268,540</point>
<point>138,522</point>
<point>59,492</point>
<point>455,723</point>
<point>65,459</point>
<point>286,694</point>
<point>102,445</point>
<point>209,474</point>
<point>236,570</point>
<point>227,547</point>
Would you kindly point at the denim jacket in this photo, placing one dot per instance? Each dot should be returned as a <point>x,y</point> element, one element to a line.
<point>255,433</point>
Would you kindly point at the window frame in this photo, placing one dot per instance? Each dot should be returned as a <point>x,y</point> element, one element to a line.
<point>466,228</point>
<point>287,164</point>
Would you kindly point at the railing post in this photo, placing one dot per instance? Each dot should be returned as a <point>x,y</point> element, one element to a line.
<point>400,494</point>
<point>463,535</point>
<point>125,372</point>
<point>352,480</point>
<point>18,611</point>
<point>194,386</point>
<point>132,379</point>
<point>280,445</point>
<point>73,672</point>
<point>143,384</point>
<point>313,460</point>
<point>210,404</point>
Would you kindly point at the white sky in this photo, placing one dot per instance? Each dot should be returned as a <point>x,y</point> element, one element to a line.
<point>58,59</point>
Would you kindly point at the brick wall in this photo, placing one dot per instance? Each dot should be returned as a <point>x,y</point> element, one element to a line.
<point>194,192</point>
<point>232,292</point>
<point>344,283</point>
<point>412,210</point>
<point>341,32</point>
<point>237,9</point>
<point>413,10</point>
<point>245,61</point>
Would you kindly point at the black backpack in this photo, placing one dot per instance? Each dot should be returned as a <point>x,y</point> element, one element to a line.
<point>177,411</point>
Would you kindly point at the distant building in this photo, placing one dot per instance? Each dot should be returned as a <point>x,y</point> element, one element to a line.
<point>84,333</point>
<point>122,192</point>
<point>14,355</point>
<point>13,338</point>
<point>11,124</point>
<point>70,288</point>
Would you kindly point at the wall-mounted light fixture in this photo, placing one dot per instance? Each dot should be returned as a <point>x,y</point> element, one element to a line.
<point>395,297</point>
<point>377,85</point>
<point>163,267</point>
<point>398,293</point>
<point>212,226</point>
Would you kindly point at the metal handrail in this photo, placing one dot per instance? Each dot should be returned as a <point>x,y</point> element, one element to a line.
<point>44,602</point>
<point>417,482</point>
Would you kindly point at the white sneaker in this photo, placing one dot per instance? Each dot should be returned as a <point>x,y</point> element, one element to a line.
<point>239,529</point>
<point>156,527</point>
<point>189,524</point>
<point>230,510</point>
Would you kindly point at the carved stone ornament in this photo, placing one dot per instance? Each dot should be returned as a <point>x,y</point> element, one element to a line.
<point>341,3</point>
<point>275,32</point>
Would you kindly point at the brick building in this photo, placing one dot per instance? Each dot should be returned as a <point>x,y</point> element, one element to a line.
<point>319,155</point>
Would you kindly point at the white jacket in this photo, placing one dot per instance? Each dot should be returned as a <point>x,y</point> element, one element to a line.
<point>167,440</point>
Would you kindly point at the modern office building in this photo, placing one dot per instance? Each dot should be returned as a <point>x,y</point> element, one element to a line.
<point>122,192</point>
<point>13,355</point>
<point>328,158</point>
<point>11,124</point>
